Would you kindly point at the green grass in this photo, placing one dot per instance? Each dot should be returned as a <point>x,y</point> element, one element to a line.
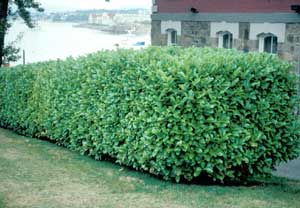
<point>36,173</point>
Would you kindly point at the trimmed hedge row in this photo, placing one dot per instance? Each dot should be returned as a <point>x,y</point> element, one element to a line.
<point>173,112</point>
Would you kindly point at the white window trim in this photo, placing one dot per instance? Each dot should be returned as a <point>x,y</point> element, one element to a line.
<point>216,27</point>
<point>261,41</point>
<point>165,25</point>
<point>220,36</point>
<point>277,29</point>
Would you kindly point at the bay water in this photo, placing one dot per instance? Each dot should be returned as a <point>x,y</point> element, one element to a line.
<point>59,40</point>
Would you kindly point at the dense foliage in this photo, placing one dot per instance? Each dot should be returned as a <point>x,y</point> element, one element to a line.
<point>177,113</point>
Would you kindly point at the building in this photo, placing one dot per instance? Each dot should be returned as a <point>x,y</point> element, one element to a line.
<point>132,18</point>
<point>250,25</point>
<point>112,19</point>
<point>94,18</point>
<point>102,19</point>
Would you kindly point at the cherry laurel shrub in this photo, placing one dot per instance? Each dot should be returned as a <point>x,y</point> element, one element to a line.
<point>176,113</point>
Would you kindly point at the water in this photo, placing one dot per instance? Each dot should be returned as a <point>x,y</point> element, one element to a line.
<point>53,40</point>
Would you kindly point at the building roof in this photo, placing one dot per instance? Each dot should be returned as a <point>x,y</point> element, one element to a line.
<point>229,17</point>
<point>227,6</point>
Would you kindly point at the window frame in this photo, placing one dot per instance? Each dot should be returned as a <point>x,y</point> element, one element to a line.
<point>172,40</point>
<point>262,43</point>
<point>221,41</point>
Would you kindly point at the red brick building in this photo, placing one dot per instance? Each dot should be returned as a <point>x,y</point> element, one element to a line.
<point>251,25</point>
<point>218,6</point>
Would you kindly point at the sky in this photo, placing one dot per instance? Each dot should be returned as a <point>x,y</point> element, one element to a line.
<point>69,5</point>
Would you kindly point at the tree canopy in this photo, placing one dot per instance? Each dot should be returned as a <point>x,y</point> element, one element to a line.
<point>10,10</point>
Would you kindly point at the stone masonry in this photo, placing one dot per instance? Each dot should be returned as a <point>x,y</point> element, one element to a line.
<point>197,33</point>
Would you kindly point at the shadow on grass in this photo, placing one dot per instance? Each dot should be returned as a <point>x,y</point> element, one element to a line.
<point>287,185</point>
<point>2,204</point>
<point>203,180</point>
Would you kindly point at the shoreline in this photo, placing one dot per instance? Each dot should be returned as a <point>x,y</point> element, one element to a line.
<point>138,29</point>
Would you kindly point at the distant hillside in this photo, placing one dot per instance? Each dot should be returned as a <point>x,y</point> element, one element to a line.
<point>83,15</point>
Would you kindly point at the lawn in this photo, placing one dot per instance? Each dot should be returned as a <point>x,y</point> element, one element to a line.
<point>38,174</point>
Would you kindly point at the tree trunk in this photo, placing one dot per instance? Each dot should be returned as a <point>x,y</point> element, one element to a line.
<point>3,22</point>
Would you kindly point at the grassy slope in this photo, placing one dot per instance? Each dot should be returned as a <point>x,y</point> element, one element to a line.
<point>39,174</point>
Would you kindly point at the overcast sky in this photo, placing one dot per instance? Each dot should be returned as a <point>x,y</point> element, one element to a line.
<point>67,5</point>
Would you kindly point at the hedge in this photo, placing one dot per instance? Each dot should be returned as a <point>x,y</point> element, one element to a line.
<point>176,113</point>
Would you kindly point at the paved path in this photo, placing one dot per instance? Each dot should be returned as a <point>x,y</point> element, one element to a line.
<point>290,170</point>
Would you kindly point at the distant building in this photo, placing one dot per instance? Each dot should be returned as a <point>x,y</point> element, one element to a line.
<point>102,19</point>
<point>93,18</point>
<point>132,18</point>
<point>118,18</point>
<point>250,25</point>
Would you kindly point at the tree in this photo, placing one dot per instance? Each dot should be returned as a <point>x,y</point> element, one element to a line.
<point>10,10</point>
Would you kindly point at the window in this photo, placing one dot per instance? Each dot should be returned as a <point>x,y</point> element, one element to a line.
<point>268,43</point>
<point>172,37</point>
<point>225,39</point>
<point>246,34</point>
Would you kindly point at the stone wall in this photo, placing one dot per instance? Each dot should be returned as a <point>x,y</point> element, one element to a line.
<point>243,43</point>
<point>195,33</point>
<point>157,38</point>
<point>290,49</point>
